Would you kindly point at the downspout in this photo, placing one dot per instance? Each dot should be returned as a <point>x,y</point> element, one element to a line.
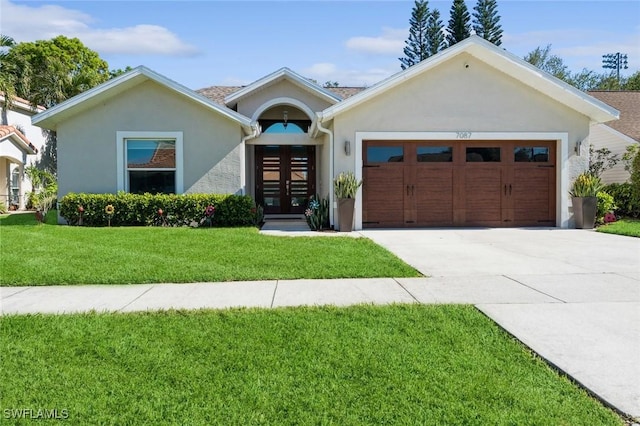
<point>331,164</point>
<point>243,158</point>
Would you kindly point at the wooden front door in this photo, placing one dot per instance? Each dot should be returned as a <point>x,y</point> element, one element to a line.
<point>285,177</point>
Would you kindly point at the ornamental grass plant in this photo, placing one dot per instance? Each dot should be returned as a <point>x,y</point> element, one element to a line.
<point>345,185</point>
<point>586,185</point>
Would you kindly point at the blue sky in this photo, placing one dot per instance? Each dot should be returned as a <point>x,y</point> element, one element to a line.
<point>204,43</point>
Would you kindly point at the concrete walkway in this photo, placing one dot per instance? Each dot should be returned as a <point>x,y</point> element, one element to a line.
<point>571,296</point>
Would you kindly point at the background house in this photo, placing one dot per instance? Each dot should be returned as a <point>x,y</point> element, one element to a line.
<point>20,143</point>
<point>617,135</point>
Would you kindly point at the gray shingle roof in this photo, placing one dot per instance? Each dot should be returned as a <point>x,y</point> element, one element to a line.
<point>218,93</point>
<point>628,103</point>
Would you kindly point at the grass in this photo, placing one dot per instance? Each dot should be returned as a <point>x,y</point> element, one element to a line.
<point>628,227</point>
<point>410,364</point>
<point>48,254</point>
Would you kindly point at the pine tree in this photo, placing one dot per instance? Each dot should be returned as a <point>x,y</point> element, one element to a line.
<point>459,23</point>
<point>486,21</point>
<point>416,48</point>
<point>435,35</point>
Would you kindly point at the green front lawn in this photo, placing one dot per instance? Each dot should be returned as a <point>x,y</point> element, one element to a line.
<point>363,365</point>
<point>49,254</point>
<point>628,227</point>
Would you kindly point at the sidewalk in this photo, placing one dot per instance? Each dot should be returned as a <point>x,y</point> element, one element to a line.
<point>573,330</point>
<point>265,294</point>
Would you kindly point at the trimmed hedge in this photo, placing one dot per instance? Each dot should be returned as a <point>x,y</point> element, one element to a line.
<point>627,203</point>
<point>142,210</point>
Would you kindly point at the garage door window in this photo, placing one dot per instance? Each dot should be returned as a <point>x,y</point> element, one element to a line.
<point>434,154</point>
<point>385,154</point>
<point>537,154</point>
<point>482,154</point>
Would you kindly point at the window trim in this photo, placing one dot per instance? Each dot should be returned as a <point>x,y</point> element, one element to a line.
<point>122,183</point>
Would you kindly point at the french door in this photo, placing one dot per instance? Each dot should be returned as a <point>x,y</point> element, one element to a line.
<point>285,177</point>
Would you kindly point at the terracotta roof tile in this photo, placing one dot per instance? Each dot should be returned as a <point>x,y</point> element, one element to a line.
<point>628,103</point>
<point>6,131</point>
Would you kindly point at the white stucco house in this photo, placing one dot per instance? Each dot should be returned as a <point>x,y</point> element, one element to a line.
<point>617,135</point>
<point>20,143</point>
<point>473,136</point>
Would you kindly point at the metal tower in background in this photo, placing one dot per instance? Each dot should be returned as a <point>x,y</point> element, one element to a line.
<point>615,61</point>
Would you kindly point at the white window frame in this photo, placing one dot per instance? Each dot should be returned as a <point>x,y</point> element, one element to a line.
<point>121,153</point>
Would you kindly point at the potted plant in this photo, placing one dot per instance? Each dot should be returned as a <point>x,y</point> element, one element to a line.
<point>584,200</point>
<point>345,187</point>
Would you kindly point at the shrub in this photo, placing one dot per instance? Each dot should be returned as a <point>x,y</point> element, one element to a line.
<point>142,210</point>
<point>626,204</point>
<point>3,208</point>
<point>606,204</point>
<point>635,178</point>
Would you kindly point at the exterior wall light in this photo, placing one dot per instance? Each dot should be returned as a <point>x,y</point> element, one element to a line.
<point>347,148</point>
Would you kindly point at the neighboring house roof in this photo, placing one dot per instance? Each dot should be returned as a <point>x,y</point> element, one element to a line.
<point>277,76</point>
<point>218,93</point>
<point>50,118</point>
<point>498,58</point>
<point>346,92</point>
<point>10,132</point>
<point>23,105</point>
<point>628,103</point>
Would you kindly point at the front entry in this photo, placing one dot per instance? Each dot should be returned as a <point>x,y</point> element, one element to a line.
<point>285,177</point>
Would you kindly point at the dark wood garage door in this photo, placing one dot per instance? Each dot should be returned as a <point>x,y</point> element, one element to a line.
<point>453,183</point>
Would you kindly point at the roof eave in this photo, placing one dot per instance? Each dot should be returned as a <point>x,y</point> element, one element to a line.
<point>50,118</point>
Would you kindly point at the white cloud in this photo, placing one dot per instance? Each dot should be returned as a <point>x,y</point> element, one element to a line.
<point>569,44</point>
<point>390,42</point>
<point>323,72</point>
<point>29,23</point>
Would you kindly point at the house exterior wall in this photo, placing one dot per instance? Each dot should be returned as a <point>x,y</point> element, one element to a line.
<point>603,136</point>
<point>479,99</point>
<point>20,116</point>
<point>211,142</point>
<point>282,89</point>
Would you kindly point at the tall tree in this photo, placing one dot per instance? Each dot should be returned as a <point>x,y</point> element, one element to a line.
<point>459,23</point>
<point>58,69</point>
<point>7,76</point>
<point>47,72</point>
<point>435,34</point>
<point>486,21</point>
<point>416,48</point>
<point>543,59</point>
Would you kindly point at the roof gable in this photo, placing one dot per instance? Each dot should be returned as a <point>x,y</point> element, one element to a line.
<point>279,75</point>
<point>50,118</point>
<point>17,138</point>
<point>499,59</point>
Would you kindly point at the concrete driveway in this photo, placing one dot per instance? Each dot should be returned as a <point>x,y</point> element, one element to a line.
<point>586,320</point>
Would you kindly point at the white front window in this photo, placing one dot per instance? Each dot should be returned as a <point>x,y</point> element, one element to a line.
<point>150,162</point>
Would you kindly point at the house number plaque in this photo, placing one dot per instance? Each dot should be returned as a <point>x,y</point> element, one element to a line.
<point>463,135</point>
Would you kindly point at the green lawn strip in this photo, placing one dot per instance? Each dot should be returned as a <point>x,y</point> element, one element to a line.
<point>628,227</point>
<point>411,364</point>
<point>48,254</point>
